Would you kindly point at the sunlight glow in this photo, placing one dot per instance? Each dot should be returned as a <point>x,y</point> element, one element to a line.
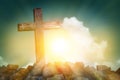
<point>59,45</point>
<point>73,43</point>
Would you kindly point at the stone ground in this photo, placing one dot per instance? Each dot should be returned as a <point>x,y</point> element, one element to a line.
<point>59,71</point>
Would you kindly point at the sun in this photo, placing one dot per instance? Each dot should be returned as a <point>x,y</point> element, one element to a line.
<point>60,46</point>
<point>57,46</point>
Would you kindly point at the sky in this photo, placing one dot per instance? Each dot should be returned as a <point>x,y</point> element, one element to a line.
<point>100,16</point>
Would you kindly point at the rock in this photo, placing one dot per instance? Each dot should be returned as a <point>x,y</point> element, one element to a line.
<point>63,68</point>
<point>103,68</point>
<point>113,76</point>
<point>118,71</point>
<point>77,68</point>
<point>56,77</point>
<point>6,72</point>
<point>30,68</point>
<point>38,67</point>
<point>36,78</point>
<point>49,70</point>
<point>21,74</point>
<point>80,78</point>
<point>12,67</point>
<point>58,71</point>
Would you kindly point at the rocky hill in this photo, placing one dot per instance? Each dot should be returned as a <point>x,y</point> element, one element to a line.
<point>59,71</point>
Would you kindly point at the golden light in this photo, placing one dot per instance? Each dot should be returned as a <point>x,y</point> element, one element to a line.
<point>77,44</point>
<point>60,45</point>
<point>57,45</point>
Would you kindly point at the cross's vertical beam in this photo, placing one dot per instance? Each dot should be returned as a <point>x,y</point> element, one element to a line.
<point>39,35</point>
<point>38,15</point>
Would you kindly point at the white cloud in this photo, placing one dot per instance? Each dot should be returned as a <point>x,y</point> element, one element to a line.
<point>118,61</point>
<point>2,62</point>
<point>83,43</point>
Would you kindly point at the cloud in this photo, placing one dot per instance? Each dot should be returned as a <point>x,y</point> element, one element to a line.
<point>28,64</point>
<point>118,61</point>
<point>2,62</point>
<point>84,44</point>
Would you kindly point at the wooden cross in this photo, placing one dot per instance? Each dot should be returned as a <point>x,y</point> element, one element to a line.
<point>38,27</point>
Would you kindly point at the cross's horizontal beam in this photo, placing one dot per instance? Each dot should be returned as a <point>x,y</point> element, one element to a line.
<point>52,24</point>
<point>26,27</point>
<point>45,26</point>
